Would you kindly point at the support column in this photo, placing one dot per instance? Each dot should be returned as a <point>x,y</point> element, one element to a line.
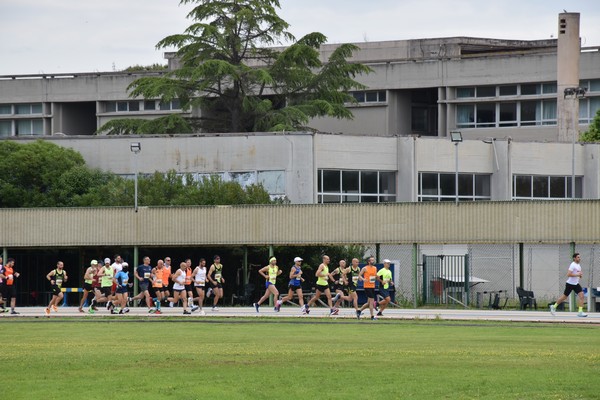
<point>136,262</point>
<point>415,278</point>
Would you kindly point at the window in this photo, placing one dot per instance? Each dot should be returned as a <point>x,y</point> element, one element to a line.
<point>465,92</point>
<point>588,107</point>
<point>29,127</point>
<point>34,108</point>
<point>508,90</point>
<point>370,96</point>
<point>122,106</point>
<point>5,109</point>
<point>272,181</point>
<point>149,105</point>
<point>337,186</point>
<point>486,91</point>
<point>540,112</point>
<point>529,187</point>
<point>434,186</point>
<point>508,114</point>
<point>5,128</point>
<point>169,105</point>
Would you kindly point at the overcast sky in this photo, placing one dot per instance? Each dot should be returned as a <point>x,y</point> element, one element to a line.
<point>43,36</point>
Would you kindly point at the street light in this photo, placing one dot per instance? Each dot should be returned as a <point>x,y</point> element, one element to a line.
<point>136,147</point>
<point>574,93</point>
<point>456,138</point>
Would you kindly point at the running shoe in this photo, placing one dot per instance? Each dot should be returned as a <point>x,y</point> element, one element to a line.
<point>337,297</point>
<point>256,306</point>
<point>158,312</point>
<point>215,308</point>
<point>208,293</point>
<point>91,310</point>
<point>194,308</point>
<point>202,312</point>
<point>47,311</point>
<point>109,305</point>
<point>80,309</point>
<point>54,308</point>
<point>129,301</point>
<point>126,310</point>
<point>552,309</point>
<point>278,305</point>
<point>579,314</point>
<point>373,318</point>
<point>307,309</point>
<point>171,304</point>
<point>380,314</point>
<point>186,312</point>
<point>13,312</point>
<point>358,314</point>
<point>334,311</point>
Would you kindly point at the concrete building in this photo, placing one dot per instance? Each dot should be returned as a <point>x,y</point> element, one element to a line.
<point>518,104</point>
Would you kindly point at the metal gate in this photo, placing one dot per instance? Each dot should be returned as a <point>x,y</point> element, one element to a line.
<point>446,280</point>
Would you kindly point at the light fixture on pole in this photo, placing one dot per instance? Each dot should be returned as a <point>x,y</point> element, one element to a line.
<point>456,138</point>
<point>574,93</point>
<point>135,147</point>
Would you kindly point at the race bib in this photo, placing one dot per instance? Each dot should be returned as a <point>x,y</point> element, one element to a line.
<point>146,275</point>
<point>355,279</point>
<point>58,282</point>
<point>201,282</point>
<point>218,277</point>
<point>372,279</point>
<point>158,281</point>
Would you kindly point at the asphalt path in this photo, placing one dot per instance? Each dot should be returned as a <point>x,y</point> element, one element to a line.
<point>321,312</point>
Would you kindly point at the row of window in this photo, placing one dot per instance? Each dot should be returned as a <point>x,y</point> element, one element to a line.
<point>337,186</point>
<point>506,90</point>
<point>501,114</point>
<point>588,107</point>
<point>272,181</point>
<point>370,96</point>
<point>21,109</point>
<point>141,105</point>
<point>21,127</point>
<point>340,186</point>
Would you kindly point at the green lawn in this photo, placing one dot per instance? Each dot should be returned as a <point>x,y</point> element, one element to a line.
<point>309,359</point>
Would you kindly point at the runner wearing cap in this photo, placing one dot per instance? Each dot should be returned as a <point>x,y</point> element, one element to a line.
<point>384,276</point>
<point>56,277</point>
<point>121,279</point>
<point>295,285</point>
<point>106,274</point>
<point>88,280</point>
<point>270,273</point>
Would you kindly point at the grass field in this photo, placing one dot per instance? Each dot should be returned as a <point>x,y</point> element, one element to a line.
<point>309,359</point>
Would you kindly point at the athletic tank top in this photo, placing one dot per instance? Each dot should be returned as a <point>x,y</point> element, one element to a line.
<point>188,276</point>
<point>59,277</point>
<point>354,276</point>
<point>166,274</point>
<point>218,272</point>
<point>89,281</point>
<point>179,281</point>
<point>370,276</point>
<point>200,278</point>
<point>106,280</point>
<point>8,272</point>
<point>296,281</point>
<point>273,274</point>
<point>157,282</point>
<point>322,280</point>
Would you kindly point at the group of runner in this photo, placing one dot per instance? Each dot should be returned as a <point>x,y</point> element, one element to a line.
<point>110,284</point>
<point>345,281</point>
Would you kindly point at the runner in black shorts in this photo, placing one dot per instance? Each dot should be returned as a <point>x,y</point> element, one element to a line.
<point>322,286</point>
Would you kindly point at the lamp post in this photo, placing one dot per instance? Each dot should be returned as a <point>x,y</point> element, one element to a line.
<point>456,138</point>
<point>135,147</point>
<point>573,93</point>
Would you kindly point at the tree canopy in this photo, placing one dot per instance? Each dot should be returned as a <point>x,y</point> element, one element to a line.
<point>593,132</point>
<point>43,174</point>
<point>229,71</point>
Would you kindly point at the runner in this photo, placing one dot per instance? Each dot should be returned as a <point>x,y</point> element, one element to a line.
<point>2,308</point>
<point>179,291</point>
<point>106,274</point>
<point>121,279</point>
<point>384,276</point>
<point>574,274</point>
<point>167,284</point>
<point>199,275</point>
<point>368,275</point>
<point>189,287</point>
<point>56,277</point>
<point>215,276</point>
<point>354,271</point>
<point>143,273</point>
<point>158,288</point>
<point>340,283</point>
<point>295,285</point>
<point>270,273</point>
<point>322,286</point>
<point>9,292</point>
<point>96,289</point>
<point>88,280</point>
